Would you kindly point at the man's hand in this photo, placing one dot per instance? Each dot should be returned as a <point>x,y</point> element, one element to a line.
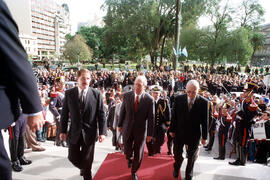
<point>120,129</point>
<point>172,134</point>
<point>203,141</point>
<point>148,138</point>
<point>63,136</point>
<point>101,138</point>
<point>35,122</point>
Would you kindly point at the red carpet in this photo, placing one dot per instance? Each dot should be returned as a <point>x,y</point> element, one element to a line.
<point>158,167</point>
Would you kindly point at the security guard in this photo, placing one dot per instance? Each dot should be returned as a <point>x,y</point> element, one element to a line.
<point>162,121</point>
<point>244,120</point>
<point>16,143</point>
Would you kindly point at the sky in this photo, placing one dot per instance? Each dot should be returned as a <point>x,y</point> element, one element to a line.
<point>85,10</point>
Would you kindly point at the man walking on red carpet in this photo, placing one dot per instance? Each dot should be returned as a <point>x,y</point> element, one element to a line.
<point>83,105</point>
<point>136,122</point>
<point>188,124</point>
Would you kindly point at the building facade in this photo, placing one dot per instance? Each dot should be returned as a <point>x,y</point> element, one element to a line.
<point>46,20</point>
<point>262,56</point>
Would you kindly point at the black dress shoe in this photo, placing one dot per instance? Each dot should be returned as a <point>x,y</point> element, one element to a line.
<point>81,172</point>
<point>205,146</point>
<point>87,177</point>
<point>175,173</point>
<point>129,163</point>
<point>237,163</point>
<point>64,144</point>
<point>260,161</point>
<point>208,149</point>
<point>134,176</point>
<point>219,158</point>
<point>24,161</point>
<point>16,166</point>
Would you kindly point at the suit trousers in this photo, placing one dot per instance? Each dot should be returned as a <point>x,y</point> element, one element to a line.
<point>31,139</point>
<point>191,153</point>
<point>5,168</point>
<point>134,146</point>
<point>81,156</point>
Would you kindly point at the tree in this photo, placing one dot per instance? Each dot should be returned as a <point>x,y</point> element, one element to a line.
<point>77,50</point>
<point>220,17</point>
<point>257,41</point>
<point>94,39</point>
<point>68,37</point>
<point>239,48</point>
<point>144,26</point>
<point>250,14</point>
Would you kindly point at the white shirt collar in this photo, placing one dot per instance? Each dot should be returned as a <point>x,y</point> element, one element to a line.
<point>191,100</point>
<point>137,95</point>
<point>85,91</point>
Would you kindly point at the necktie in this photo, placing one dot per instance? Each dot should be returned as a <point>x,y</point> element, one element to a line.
<point>82,100</point>
<point>190,105</point>
<point>136,103</point>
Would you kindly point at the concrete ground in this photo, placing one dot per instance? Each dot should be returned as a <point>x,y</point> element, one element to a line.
<point>53,164</point>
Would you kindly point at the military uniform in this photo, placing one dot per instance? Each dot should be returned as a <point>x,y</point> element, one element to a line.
<point>243,129</point>
<point>162,123</point>
<point>213,116</point>
<point>55,107</point>
<point>225,123</point>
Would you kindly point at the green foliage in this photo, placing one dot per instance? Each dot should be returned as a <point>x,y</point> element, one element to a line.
<point>136,28</point>
<point>94,39</point>
<point>77,50</point>
<point>144,27</point>
<point>68,37</point>
<point>239,48</point>
<point>250,14</point>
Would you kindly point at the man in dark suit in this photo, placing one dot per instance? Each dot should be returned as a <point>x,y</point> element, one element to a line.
<point>17,81</point>
<point>188,125</point>
<point>136,123</point>
<point>84,106</point>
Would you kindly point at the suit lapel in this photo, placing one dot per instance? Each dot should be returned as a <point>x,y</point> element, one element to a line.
<point>76,97</point>
<point>132,100</point>
<point>186,103</point>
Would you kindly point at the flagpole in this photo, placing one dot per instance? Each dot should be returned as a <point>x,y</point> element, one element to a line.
<point>177,31</point>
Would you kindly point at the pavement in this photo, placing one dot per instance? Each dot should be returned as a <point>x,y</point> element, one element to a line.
<point>52,164</point>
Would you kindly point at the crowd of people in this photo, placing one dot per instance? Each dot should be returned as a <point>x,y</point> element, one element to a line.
<point>221,90</point>
<point>139,107</point>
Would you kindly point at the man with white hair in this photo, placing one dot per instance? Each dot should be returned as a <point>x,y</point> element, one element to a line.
<point>188,126</point>
<point>136,123</point>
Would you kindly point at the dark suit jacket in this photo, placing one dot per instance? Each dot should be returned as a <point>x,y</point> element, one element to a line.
<point>141,122</point>
<point>17,80</point>
<point>189,126</point>
<point>87,123</point>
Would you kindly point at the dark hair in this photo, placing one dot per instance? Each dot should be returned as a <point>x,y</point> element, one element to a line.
<point>79,73</point>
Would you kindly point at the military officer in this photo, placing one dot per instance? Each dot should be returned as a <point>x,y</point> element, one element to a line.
<point>244,120</point>
<point>162,121</point>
